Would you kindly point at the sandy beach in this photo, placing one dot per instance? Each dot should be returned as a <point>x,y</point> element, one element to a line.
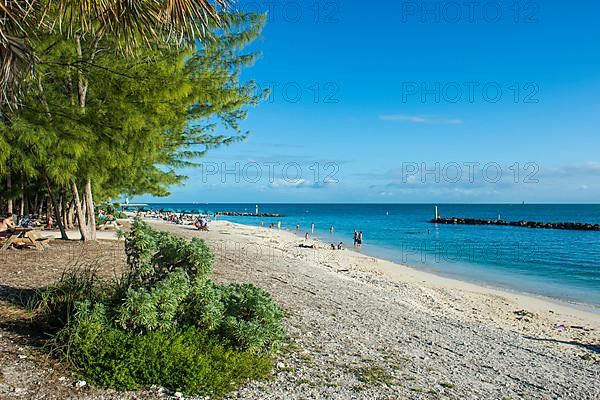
<point>357,327</point>
<point>361,327</point>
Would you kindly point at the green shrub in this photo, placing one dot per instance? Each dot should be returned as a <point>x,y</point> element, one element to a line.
<point>152,255</point>
<point>55,305</point>
<point>244,315</point>
<point>187,360</point>
<point>140,247</point>
<point>252,320</point>
<point>156,308</point>
<point>193,257</point>
<point>204,306</point>
<point>164,322</point>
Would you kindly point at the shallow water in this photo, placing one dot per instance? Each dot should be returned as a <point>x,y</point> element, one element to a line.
<point>554,263</point>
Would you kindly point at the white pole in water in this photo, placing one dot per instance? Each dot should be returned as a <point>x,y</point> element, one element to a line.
<point>436,213</point>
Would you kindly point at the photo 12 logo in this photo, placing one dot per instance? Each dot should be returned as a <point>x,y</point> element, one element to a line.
<point>469,92</point>
<point>427,251</point>
<point>453,12</point>
<point>272,172</point>
<point>469,172</point>
<point>293,12</point>
<point>294,92</point>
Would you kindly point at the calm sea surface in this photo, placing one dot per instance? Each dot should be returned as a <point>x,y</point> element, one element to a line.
<point>560,264</point>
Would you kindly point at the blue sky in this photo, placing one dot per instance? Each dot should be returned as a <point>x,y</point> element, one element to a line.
<point>392,101</point>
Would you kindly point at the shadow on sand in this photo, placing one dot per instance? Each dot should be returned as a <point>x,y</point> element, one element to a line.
<point>16,319</point>
<point>594,348</point>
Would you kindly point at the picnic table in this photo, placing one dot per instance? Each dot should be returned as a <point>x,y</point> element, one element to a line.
<point>25,237</point>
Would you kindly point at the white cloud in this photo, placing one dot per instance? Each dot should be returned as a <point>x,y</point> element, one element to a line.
<point>287,183</point>
<point>421,119</point>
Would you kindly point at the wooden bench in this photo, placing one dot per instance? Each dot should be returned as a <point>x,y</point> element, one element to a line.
<point>26,237</point>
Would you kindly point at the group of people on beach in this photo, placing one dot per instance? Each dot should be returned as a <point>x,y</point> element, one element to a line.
<point>201,223</point>
<point>198,221</point>
<point>358,238</point>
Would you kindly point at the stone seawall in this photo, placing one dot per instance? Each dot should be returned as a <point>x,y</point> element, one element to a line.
<point>572,226</point>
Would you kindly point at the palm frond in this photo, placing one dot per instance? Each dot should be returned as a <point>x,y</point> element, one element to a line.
<point>130,21</point>
<point>16,63</point>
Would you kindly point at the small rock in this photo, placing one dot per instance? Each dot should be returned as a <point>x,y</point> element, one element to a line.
<point>280,365</point>
<point>62,379</point>
<point>179,395</point>
<point>80,384</point>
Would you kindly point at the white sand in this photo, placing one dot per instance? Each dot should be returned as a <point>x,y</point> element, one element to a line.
<point>362,327</point>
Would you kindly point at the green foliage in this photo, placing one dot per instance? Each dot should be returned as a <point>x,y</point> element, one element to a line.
<point>189,360</point>
<point>145,310</point>
<point>141,118</point>
<point>55,305</point>
<point>164,322</point>
<point>152,255</point>
<point>204,306</point>
<point>243,314</point>
<point>252,320</point>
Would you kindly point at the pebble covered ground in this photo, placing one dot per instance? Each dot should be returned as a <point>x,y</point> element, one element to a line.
<point>352,333</point>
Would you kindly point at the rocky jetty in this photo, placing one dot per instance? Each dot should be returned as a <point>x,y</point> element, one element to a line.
<point>247,214</point>
<point>571,226</point>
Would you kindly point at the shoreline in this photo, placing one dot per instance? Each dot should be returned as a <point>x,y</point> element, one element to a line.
<point>362,327</point>
<point>491,286</point>
<point>583,313</point>
<point>400,272</point>
<point>448,280</point>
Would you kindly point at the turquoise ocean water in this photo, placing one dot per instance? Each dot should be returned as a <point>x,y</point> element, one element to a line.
<point>564,265</point>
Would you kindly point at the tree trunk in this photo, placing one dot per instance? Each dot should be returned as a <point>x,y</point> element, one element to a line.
<point>34,205</point>
<point>22,206</point>
<point>79,211</point>
<point>84,209</point>
<point>62,213</point>
<point>71,214</point>
<point>9,202</point>
<point>40,209</point>
<point>91,215</point>
<point>48,213</point>
<point>63,233</point>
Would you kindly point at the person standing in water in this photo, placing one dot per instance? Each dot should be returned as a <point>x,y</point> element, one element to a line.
<point>332,229</point>
<point>359,239</point>
<point>312,228</point>
<point>355,238</point>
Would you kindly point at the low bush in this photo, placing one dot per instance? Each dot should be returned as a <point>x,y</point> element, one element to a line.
<point>252,320</point>
<point>164,322</point>
<point>55,305</point>
<point>242,314</point>
<point>188,360</point>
